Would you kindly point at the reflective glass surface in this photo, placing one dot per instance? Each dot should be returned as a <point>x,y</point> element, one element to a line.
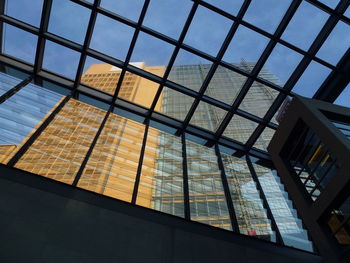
<point>289,225</point>
<point>112,166</point>
<point>207,199</point>
<point>130,9</point>
<point>32,9</point>
<point>250,212</point>
<point>240,129</point>
<point>161,183</point>
<point>61,148</point>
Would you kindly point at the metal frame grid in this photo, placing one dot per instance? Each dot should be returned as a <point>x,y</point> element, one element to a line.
<point>338,77</point>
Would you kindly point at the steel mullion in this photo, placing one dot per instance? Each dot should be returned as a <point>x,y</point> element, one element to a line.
<point>44,23</point>
<point>2,27</point>
<point>91,148</point>
<point>187,211</point>
<point>215,64</point>
<point>174,55</point>
<point>274,225</point>
<point>131,48</point>
<point>86,44</point>
<point>228,198</point>
<point>139,167</point>
<point>258,66</point>
<point>8,94</point>
<point>37,133</point>
<point>307,159</point>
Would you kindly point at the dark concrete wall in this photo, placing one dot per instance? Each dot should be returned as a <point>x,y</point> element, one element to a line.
<point>37,225</point>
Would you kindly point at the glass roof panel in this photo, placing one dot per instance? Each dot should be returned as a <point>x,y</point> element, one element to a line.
<point>264,139</point>
<point>161,16</point>
<point>344,98</point>
<point>245,48</point>
<point>32,14</point>
<point>208,116</point>
<point>24,49</point>
<point>311,79</point>
<point>61,60</point>
<point>266,14</point>
<point>347,12</point>
<point>259,99</point>
<point>7,82</point>
<point>189,70</point>
<point>138,90</point>
<point>280,64</point>
<point>152,51</point>
<point>231,7</point>
<point>100,75</point>
<point>111,37</point>
<point>69,20</point>
<point>225,85</point>
<point>174,104</point>
<point>208,31</point>
<point>240,129</point>
<point>130,9</point>
<point>310,27</point>
<point>336,44</point>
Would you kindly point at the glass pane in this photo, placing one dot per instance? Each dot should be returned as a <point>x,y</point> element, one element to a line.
<point>347,12</point>
<point>311,80</point>
<point>161,183</point>
<point>208,116</point>
<point>61,60</point>
<point>111,37</point>
<point>161,16</point>
<point>240,129</point>
<point>100,75</point>
<point>310,27</point>
<point>32,14</point>
<point>130,9</point>
<point>208,31</point>
<point>139,90</point>
<point>189,71</point>
<point>259,99</point>
<point>264,139</point>
<point>290,227</point>
<point>231,7</point>
<point>207,199</point>
<point>21,114</point>
<point>112,166</point>
<point>280,65</point>
<point>7,82</point>
<point>344,97</point>
<point>330,3</point>
<point>336,44</point>
<point>259,13</point>
<point>152,51</point>
<point>19,43</point>
<point>250,212</point>
<point>69,20</point>
<point>245,48</point>
<point>225,85</point>
<point>174,104</point>
<point>61,148</point>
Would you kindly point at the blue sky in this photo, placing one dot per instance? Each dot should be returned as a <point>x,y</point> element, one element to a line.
<point>206,33</point>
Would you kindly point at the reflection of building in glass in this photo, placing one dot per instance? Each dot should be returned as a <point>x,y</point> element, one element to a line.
<point>113,165</point>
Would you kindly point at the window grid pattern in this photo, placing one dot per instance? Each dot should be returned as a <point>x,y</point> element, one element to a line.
<point>201,90</point>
